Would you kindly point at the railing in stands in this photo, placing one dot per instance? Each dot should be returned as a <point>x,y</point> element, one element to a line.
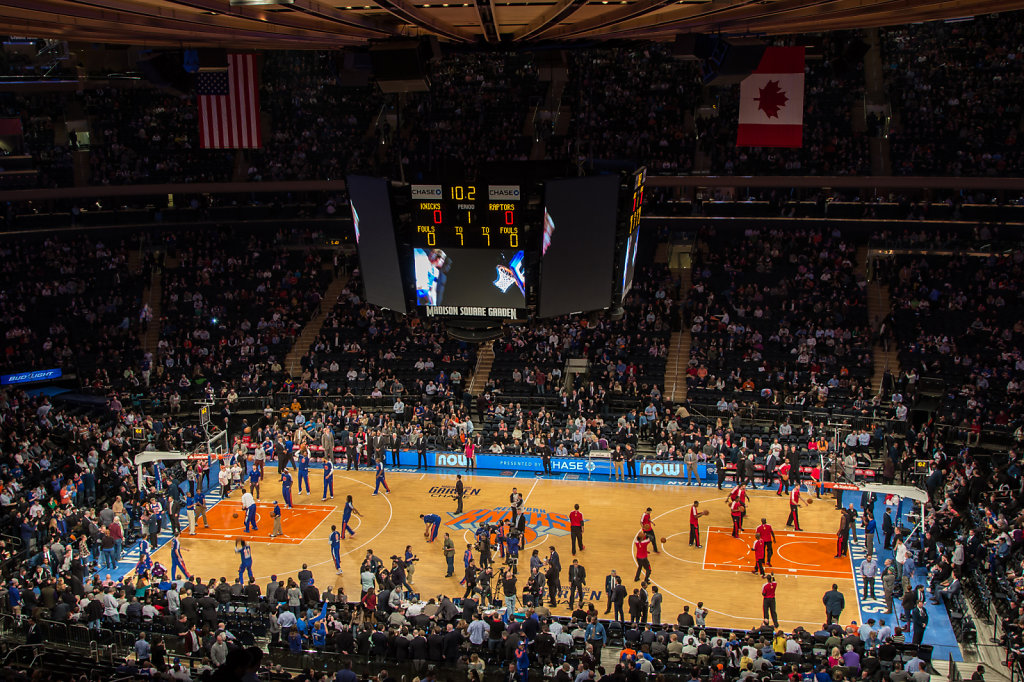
<point>1016,669</point>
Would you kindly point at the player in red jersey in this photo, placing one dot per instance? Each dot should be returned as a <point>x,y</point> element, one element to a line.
<point>647,527</point>
<point>695,523</point>
<point>576,528</point>
<point>794,508</point>
<point>758,549</point>
<point>783,473</point>
<point>642,562</point>
<point>740,493</point>
<point>737,510</point>
<point>768,599</point>
<point>767,535</point>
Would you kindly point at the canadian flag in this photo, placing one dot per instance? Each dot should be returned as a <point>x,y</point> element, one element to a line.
<point>772,101</point>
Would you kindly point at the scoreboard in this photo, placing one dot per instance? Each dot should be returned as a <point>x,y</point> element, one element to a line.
<point>468,255</point>
<point>465,216</point>
<point>487,252</point>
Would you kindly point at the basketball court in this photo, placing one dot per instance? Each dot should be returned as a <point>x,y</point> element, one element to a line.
<point>717,573</point>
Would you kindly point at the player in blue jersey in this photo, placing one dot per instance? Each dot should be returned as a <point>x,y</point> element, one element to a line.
<point>328,477</point>
<point>304,470</point>
<point>249,509</point>
<point>433,523</point>
<point>336,548</point>
<point>346,516</point>
<point>286,488</point>
<point>254,481</point>
<point>380,478</point>
<point>244,550</point>
<point>522,662</point>
<point>145,560</point>
<point>177,561</point>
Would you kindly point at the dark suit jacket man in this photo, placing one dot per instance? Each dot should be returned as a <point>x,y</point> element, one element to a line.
<point>577,575</point>
<point>619,595</point>
<point>609,588</point>
<point>834,604</point>
<point>209,608</point>
<point>190,607</point>
<point>554,584</point>
<point>418,648</point>
<point>644,603</point>
<point>635,607</point>
<point>555,561</point>
<point>452,641</point>
<point>305,575</point>
<point>919,617</point>
<point>435,647</point>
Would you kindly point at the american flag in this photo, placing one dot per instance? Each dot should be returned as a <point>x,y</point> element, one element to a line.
<point>229,105</point>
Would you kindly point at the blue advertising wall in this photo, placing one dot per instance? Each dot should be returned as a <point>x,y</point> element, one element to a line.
<point>573,465</point>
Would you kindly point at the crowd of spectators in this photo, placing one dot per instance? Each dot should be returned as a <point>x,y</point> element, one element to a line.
<point>362,350</point>
<point>51,159</point>
<point>319,130</point>
<point>232,306</point>
<point>634,104</point>
<point>951,88</point>
<point>475,113</point>
<point>779,318</point>
<point>956,319</point>
<point>144,135</point>
<point>71,303</point>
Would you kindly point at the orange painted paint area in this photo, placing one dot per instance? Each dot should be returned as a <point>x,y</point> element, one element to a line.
<point>297,523</point>
<point>802,554</point>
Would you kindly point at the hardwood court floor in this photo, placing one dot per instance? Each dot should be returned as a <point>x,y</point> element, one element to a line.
<point>717,574</point>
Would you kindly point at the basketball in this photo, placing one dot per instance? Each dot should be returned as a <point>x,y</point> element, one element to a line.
<point>664,540</point>
<point>235,515</point>
<point>810,501</point>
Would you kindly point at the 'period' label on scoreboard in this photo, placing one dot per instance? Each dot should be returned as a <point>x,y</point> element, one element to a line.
<point>503,192</point>
<point>426,191</point>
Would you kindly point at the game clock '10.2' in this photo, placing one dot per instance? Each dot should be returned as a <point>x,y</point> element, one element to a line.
<point>470,216</point>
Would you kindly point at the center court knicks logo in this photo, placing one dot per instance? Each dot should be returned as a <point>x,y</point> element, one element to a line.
<point>539,522</point>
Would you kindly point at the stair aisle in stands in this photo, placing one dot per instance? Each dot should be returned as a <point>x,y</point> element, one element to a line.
<point>293,363</point>
<point>879,307</point>
<point>153,294</point>
<point>482,371</point>
<point>679,350</point>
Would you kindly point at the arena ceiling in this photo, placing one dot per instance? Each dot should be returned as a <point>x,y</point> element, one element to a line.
<point>326,24</point>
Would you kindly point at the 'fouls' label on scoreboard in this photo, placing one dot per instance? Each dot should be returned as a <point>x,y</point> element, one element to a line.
<point>471,311</point>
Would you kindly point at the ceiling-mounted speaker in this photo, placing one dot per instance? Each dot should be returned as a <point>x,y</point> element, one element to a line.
<point>166,70</point>
<point>731,61</point>
<point>213,59</point>
<point>692,47</point>
<point>399,66</point>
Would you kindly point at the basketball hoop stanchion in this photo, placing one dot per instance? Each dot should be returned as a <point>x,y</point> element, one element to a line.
<point>914,494</point>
